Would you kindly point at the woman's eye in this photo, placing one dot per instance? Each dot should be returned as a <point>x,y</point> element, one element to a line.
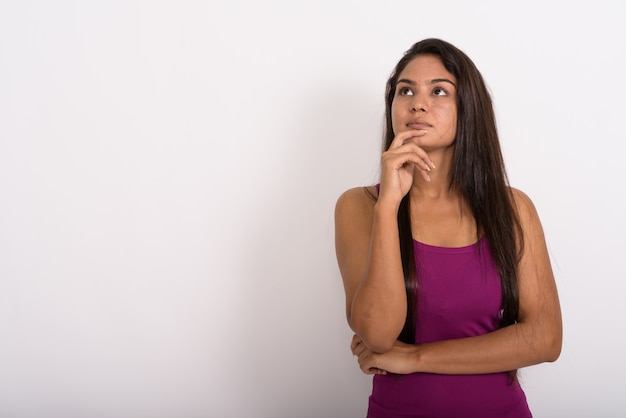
<point>405,91</point>
<point>438,91</point>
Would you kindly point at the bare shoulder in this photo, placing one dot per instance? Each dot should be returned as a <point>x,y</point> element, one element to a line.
<point>528,218</point>
<point>355,201</point>
<point>525,207</point>
<point>354,213</point>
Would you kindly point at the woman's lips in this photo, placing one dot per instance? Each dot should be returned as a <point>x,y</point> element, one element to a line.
<point>418,125</point>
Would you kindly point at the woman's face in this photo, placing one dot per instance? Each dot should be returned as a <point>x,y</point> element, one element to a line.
<point>425,99</point>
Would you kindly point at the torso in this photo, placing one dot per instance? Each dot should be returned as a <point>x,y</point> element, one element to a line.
<point>459,296</point>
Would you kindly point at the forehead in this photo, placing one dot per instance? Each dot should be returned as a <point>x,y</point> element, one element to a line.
<point>424,68</point>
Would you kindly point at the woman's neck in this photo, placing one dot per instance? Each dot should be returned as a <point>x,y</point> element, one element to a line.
<point>439,184</point>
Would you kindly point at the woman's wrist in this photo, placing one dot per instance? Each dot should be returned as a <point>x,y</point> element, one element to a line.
<point>383,208</point>
<point>414,358</point>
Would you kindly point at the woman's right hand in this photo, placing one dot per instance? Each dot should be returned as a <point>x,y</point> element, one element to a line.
<point>398,166</point>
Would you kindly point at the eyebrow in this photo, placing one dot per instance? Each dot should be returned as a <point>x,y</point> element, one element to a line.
<point>433,81</point>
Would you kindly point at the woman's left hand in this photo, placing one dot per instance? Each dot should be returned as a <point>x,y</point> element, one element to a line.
<point>399,360</point>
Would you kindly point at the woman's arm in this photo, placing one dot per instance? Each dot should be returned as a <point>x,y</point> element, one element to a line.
<point>368,245</point>
<point>368,254</point>
<point>535,338</point>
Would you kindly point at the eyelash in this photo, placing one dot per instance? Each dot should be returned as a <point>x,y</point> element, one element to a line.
<point>402,91</point>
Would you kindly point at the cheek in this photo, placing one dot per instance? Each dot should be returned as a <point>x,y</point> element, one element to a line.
<point>453,123</point>
<point>395,117</point>
<point>449,113</point>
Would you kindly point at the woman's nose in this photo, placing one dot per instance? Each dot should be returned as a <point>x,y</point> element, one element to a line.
<point>419,103</point>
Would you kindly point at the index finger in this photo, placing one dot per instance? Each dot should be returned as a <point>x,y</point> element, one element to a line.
<point>400,138</point>
<point>356,340</point>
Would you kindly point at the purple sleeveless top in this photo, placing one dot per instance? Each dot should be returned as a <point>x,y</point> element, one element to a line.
<point>459,295</point>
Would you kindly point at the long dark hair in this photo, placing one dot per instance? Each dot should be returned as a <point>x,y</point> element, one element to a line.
<point>478,175</point>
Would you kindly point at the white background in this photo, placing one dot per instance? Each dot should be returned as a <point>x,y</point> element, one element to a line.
<point>168,174</point>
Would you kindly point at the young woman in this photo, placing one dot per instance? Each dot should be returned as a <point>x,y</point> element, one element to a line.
<point>449,288</point>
